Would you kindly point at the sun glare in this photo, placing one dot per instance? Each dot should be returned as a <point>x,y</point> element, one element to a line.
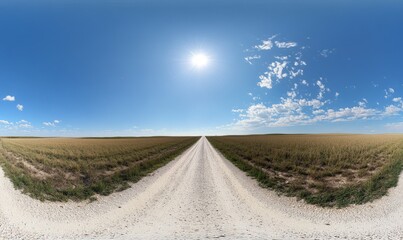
<point>199,60</point>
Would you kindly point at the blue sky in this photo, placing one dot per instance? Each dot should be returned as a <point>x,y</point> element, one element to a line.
<point>122,68</point>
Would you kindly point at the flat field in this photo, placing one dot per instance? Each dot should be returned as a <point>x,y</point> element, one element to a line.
<point>326,170</point>
<point>59,169</point>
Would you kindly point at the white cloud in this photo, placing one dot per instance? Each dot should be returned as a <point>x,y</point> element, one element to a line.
<point>314,103</point>
<point>23,124</point>
<point>9,98</point>
<point>346,114</point>
<point>282,58</point>
<point>276,73</point>
<point>389,92</point>
<point>392,110</point>
<point>398,99</point>
<point>299,105</point>
<point>51,124</point>
<point>320,85</point>
<point>266,45</point>
<point>294,74</point>
<point>292,111</point>
<point>317,112</point>
<point>277,69</point>
<point>289,111</point>
<point>5,122</point>
<point>322,89</point>
<point>282,66</point>
<point>20,107</point>
<point>292,94</point>
<point>265,81</point>
<point>285,44</point>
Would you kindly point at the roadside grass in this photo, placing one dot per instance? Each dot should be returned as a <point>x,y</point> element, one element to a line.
<point>325,170</point>
<point>61,169</point>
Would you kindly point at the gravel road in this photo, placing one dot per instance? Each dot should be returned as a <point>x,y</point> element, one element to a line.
<point>199,195</point>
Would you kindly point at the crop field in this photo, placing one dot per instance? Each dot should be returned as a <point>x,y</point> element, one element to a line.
<point>60,169</point>
<point>326,170</point>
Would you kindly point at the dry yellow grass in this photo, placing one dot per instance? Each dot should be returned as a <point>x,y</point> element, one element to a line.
<point>78,168</point>
<point>322,169</point>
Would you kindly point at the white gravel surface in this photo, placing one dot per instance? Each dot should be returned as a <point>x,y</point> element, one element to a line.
<point>199,195</point>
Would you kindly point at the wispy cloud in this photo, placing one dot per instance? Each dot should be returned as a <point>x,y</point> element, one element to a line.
<point>16,125</point>
<point>326,52</point>
<point>266,45</point>
<point>23,124</point>
<point>269,44</point>
<point>396,126</point>
<point>51,124</point>
<point>249,59</point>
<point>389,92</point>
<point>285,44</point>
<point>322,89</point>
<point>237,110</point>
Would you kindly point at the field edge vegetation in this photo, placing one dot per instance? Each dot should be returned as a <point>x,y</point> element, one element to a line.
<point>373,188</point>
<point>47,189</point>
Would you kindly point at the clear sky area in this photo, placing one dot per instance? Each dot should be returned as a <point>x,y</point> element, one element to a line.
<point>138,68</point>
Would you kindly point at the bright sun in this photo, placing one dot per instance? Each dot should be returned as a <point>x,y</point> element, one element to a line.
<point>199,60</point>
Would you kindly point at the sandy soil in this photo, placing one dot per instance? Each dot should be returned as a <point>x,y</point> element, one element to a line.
<point>199,195</point>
